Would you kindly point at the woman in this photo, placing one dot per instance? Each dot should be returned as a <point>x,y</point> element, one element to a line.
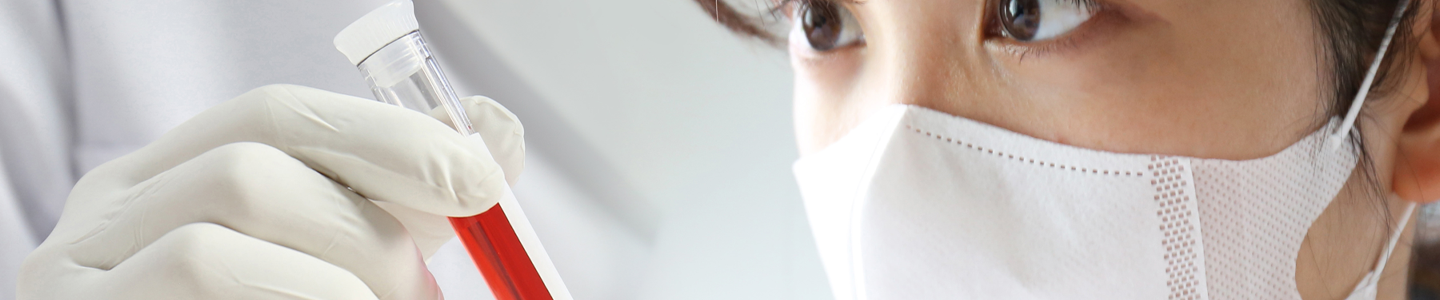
<point>934,135</point>
<point>1182,149</point>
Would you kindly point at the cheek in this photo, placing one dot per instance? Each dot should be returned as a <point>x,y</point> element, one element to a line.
<point>827,102</point>
<point>809,115</point>
<point>1180,87</point>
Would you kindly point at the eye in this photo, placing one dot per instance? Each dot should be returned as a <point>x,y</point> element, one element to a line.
<point>1038,20</point>
<point>827,25</point>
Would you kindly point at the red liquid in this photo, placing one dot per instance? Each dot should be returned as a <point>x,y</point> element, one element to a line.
<point>497,251</point>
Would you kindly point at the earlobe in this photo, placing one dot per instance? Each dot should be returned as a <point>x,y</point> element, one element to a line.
<point>1417,164</point>
<point>1417,161</point>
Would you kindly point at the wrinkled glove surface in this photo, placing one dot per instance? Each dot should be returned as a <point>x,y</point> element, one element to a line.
<point>284,192</point>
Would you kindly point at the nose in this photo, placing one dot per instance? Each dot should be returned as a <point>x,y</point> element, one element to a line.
<point>933,58</point>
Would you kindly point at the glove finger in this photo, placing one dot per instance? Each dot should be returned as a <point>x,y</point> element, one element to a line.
<point>428,231</point>
<point>209,261</point>
<point>504,138</point>
<point>384,152</point>
<point>500,130</point>
<point>261,192</point>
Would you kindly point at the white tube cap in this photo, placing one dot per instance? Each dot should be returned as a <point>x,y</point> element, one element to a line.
<point>376,29</point>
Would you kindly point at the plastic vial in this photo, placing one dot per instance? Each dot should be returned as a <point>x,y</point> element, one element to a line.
<point>387,47</point>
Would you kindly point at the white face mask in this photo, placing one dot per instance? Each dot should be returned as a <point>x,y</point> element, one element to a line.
<point>919,204</point>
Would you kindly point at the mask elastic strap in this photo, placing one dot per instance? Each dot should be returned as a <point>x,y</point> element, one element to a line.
<point>1367,287</point>
<point>1395,238</point>
<point>1338,136</point>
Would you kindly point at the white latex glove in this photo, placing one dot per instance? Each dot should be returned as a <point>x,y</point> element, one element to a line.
<point>248,200</point>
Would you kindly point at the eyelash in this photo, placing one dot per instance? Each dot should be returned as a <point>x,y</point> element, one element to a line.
<point>993,30</point>
<point>785,8</point>
<point>1043,48</point>
<point>1065,42</point>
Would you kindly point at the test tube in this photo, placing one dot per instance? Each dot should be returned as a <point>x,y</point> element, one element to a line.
<point>386,46</point>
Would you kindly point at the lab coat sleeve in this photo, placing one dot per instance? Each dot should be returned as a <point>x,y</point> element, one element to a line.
<point>35,138</point>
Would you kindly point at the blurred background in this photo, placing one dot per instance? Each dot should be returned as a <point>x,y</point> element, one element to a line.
<point>659,145</point>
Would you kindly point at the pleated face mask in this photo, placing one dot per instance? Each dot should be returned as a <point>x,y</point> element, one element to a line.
<point>919,204</point>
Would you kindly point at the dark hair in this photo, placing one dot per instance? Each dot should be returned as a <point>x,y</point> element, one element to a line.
<point>1350,32</point>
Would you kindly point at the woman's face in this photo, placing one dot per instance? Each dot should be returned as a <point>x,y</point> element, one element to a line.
<point>1232,79</point>
<point>1205,78</point>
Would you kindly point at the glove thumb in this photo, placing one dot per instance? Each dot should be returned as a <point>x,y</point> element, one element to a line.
<point>498,129</point>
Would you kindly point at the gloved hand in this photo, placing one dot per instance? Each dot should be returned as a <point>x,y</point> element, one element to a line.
<point>249,200</point>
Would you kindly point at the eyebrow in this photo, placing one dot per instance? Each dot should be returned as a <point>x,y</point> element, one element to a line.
<point>753,26</point>
<point>745,25</point>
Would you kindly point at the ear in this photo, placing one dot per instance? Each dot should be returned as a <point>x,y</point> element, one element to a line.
<point>1417,161</point>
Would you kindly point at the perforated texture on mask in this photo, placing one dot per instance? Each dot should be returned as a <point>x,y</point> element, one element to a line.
<point>1255,214</point>
<point>1181,238</point>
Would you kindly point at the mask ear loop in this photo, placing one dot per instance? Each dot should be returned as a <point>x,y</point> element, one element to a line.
<point>1368,285</point>
<point>1338,136</point>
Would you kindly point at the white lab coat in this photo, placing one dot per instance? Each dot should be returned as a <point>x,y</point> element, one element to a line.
<point>84,82</point>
